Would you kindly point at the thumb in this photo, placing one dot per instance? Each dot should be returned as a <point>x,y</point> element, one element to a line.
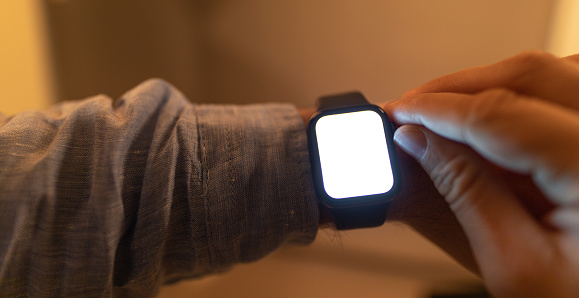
<point>489,213</point>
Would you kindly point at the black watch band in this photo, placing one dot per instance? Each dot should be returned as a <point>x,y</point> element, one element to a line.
<point>341,101</point>
<point>359,216</point>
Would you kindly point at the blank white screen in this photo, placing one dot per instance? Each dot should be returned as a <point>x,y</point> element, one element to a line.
<point>353,154</point>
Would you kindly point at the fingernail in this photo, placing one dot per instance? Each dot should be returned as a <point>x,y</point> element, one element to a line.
<point>412,140</point>
<point>566,218</point>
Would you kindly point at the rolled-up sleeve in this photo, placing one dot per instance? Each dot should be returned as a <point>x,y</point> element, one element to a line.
<point>100,198</point>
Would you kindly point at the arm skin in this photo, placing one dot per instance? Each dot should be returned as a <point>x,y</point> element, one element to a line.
<point>500,143</point>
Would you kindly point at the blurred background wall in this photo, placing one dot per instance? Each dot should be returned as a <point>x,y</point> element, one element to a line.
<point>26,77</point>
<point>262,50</point>
<point>226,51</point>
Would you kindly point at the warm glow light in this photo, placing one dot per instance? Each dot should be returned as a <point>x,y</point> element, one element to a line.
<point>354,154</point>
<point>25,76</point>
<point>563,39</point>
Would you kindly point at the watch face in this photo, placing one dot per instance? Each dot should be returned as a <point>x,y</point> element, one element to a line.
<point>352,157</point>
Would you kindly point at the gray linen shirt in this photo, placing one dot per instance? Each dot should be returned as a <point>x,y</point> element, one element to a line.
<point>101,199</point>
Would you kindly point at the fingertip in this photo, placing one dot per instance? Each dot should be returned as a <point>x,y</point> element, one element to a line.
<point>390,105</point>
<point>565,219</point>
<point>392,108</point>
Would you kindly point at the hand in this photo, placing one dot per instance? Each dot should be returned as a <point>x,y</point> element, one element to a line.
<point>501,144</point>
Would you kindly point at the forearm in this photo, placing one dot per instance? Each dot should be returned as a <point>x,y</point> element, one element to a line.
<point>151,189</point>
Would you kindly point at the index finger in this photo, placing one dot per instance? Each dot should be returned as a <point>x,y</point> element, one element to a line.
<point>535,74</point>
<point>523,135</point>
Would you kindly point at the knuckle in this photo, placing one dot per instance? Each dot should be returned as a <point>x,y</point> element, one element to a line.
<point>573,59</point>
<point>489,106</point>
<point>496,97</point>
<point>455,180</point>
<point>527,64</point>
<point>492,115</point>
<point>530,59</point>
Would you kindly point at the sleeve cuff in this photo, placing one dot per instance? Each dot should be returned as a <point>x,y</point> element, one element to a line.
<point>257,186</point>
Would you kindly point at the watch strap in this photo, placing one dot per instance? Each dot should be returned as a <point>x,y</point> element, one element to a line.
<point>341,100</point>
<point>360,217</point>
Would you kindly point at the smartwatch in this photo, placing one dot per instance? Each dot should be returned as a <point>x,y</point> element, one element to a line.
<point>354,164</point>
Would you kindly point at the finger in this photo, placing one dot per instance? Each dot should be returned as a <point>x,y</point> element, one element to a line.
<point>533,74</point>
<point>520,134</point>
<point>491,216</point>
<point>572,59</point>
<point>566,219</point>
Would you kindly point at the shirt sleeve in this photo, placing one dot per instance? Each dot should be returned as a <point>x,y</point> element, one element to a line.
<point>100,198</point>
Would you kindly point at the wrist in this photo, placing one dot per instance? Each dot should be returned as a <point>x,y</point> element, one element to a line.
<point>307,114</point>
<point>354,164</point>
<point>326,219</point>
